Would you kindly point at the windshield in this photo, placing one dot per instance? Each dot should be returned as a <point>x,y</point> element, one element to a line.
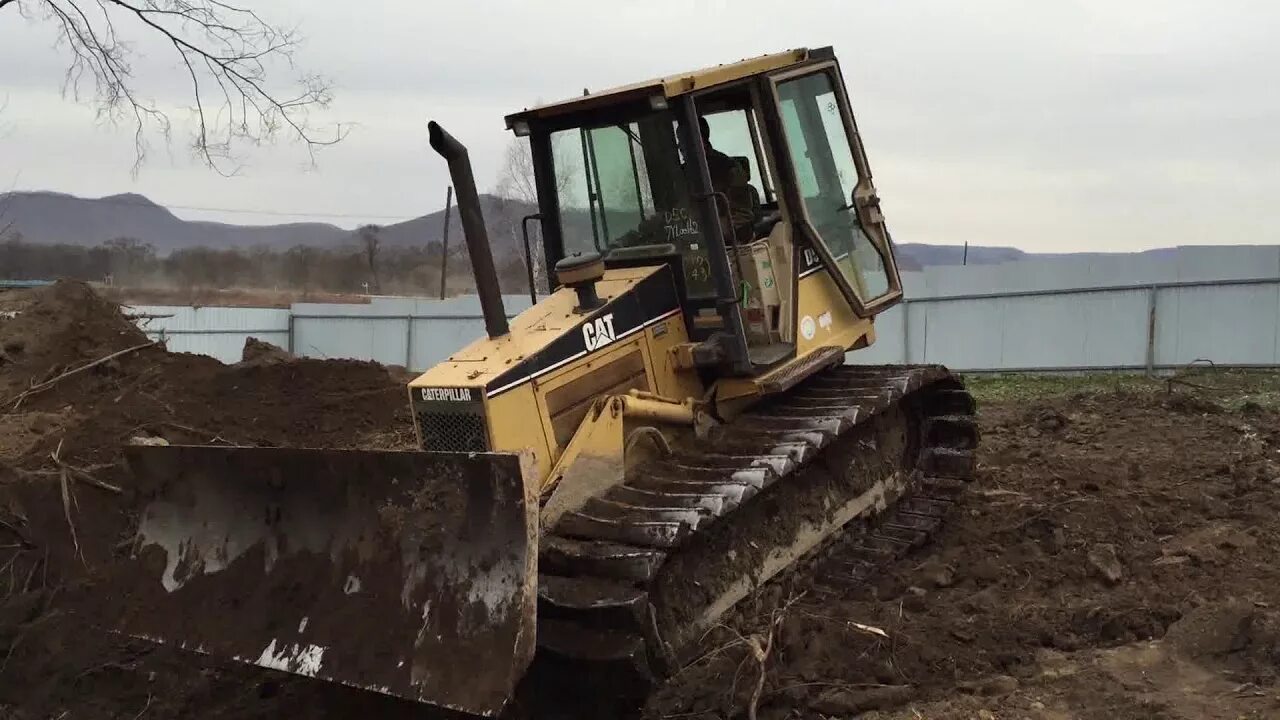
<point>623,193</point>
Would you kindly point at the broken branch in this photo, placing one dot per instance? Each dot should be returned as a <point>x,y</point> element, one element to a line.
<point>22,537</point>
<point>66,501</point>
<point>761,652</point>
<point>40,387</point>
<point>83,475</point>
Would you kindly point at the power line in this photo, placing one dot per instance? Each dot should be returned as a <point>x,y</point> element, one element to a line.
<point>277,213</point>
<point>238,211</point>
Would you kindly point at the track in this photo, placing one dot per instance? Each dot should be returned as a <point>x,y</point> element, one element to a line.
<point>628,584</point>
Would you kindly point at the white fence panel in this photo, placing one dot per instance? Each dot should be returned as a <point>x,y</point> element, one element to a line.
<point>1235,325</point>
<point>1083,330</point>
<point>219,332</point>
<point>381,338</point>
<point>436,338</point>
<point>958,333</point>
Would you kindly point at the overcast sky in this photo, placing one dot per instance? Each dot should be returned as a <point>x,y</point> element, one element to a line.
<point>1049,126</point>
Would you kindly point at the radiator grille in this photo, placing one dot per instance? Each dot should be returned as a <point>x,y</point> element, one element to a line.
<point>452,431</point>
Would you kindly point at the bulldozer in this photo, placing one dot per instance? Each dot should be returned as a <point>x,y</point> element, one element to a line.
<point>601,478</point>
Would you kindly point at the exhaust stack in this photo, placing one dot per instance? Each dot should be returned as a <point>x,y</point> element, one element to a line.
<point>477,237</point>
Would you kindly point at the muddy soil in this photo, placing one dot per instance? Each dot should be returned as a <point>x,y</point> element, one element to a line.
<point>1116,558</point>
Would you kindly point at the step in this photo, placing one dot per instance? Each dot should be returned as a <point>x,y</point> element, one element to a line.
<point>926,507</point>
<point>873,555</point>
<point>912,537</point>
<point>568,556</point>
<point>592,602</point>
<point>567,639</point>
<point>835,421</point>
<point>620,511</point>
<point>662,535</point>
<point>760,436</point>
<point>846,572</point>
<point>798,452</point>
<point>958,432</point>
<point>734,493</point>
<point>947,462</point>
<point>780,464</point>
<point>912,521</point>
<point>880,541</point>
<point>712,503</point>
<point>942,488</point>
<point>951,402</point>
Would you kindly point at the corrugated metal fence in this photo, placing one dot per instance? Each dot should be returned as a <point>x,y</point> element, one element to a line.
<point>1154,325</point>
<point>415,333</point>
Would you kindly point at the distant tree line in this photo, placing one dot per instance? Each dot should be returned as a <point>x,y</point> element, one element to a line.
<point>369,267</point>
<point>365,265</point>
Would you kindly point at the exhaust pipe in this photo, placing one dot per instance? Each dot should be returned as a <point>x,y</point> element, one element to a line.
<point>477,237</point>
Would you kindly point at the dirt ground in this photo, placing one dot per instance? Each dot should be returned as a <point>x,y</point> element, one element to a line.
<point>1118,556</point>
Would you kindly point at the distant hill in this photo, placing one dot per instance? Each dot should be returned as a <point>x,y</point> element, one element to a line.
<point>49,217</point>
<point>913,256</point>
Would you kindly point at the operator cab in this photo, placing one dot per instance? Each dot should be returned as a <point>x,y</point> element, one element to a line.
<point>744,178</point>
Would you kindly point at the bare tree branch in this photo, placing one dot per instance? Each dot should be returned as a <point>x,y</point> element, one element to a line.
<point>516,182</point>
<point>231,56</point>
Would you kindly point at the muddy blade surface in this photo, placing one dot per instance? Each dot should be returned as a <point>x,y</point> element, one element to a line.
<point>407,573</point>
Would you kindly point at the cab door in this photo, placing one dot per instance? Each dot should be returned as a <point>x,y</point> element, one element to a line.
<point>835,201</point>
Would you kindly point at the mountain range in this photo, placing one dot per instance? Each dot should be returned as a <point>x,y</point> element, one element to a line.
<point>51,217</point>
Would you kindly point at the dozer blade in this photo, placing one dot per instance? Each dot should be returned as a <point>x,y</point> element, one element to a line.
<point>407,573</point>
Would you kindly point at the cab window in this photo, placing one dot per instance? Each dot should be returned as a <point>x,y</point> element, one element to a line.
<point>622,191</point>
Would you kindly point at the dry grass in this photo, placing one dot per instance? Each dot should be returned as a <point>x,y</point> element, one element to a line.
<point>213,297</point>
<point>1229,388</point>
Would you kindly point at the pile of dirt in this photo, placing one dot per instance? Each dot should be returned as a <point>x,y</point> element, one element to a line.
<point>1242,637</point>
<point>46,332</point>
<point>1114,559</point>
<point>261,352</point>
<point>66,499</point>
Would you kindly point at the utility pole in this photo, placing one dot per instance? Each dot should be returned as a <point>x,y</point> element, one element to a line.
<point>444,250</point>
<point>965,260</point>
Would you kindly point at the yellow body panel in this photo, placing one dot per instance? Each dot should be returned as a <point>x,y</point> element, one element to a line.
<point>576,372</point>
<point>531,331</point>
<point>512,429</point>
<point>671,85</point>
<point>823,316</point>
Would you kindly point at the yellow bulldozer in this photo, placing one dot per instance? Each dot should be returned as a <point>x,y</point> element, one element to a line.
<point>603,477</point>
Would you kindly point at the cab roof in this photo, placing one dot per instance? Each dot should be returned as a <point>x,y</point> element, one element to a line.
<point>672,86</point>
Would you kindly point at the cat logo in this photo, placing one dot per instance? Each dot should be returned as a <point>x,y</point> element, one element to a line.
<point>599,332</point>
